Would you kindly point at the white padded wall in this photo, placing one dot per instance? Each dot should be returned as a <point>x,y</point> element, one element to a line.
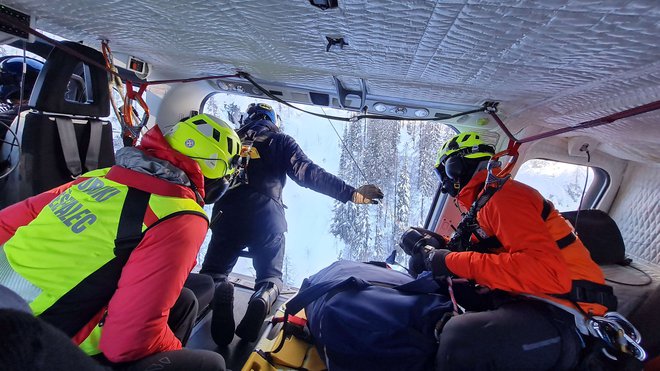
<point>637,211</point>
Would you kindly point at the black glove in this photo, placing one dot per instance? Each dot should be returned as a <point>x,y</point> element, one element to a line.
<point>414,239</point>
<point>434,261</point>
<point>416,264</point>
<point>367,194</point>
<point>430,259</point>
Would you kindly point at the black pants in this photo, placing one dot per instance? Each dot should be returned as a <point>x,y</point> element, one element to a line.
<point>181,321</point>
<point>521,335</point>
<point>266,251</point>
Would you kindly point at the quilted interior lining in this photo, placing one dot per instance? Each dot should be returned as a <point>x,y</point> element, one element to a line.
<point>636,211</point>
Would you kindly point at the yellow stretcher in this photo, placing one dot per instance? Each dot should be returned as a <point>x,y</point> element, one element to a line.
<point>296,353</point>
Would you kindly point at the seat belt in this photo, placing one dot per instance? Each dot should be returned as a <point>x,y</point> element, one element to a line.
<point>94,147</point>
<point>69,145</point>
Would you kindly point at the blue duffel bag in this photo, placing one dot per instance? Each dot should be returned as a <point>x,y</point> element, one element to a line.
<point>367,317</point>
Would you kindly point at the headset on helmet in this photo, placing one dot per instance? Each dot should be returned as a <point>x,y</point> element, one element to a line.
<point>259,111</point>
<point>208,140</point>
<point>11,71</point>
<point>458,160</point>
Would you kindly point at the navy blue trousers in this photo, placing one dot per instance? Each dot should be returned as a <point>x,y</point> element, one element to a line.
<point>265,249</point>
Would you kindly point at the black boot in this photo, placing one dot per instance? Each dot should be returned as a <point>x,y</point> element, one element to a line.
<point>222,320</point>
<point>258,308</point>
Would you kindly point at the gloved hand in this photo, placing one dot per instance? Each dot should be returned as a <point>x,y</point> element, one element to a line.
<point>434,260</point>
<point>429,259</point>
<point>414,239</point>
<point>367,194</point>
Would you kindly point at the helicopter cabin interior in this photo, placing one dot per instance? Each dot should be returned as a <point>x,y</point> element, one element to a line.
<point>566,81</point>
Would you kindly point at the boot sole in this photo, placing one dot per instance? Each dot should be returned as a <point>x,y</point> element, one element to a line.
<point>253,320</point>
<point>222,320</point>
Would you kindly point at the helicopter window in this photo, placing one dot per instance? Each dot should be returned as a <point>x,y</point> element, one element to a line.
<point>563,183</point>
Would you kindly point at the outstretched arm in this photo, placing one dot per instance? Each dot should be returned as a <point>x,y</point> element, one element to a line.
<point>309,175</point>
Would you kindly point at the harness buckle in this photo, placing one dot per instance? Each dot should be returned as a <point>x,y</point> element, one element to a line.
<point>618,333</point>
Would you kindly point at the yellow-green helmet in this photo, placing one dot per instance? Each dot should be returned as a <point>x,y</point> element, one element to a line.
<point>459,158</point>
<point>468,144</point>
<point>208,140</point>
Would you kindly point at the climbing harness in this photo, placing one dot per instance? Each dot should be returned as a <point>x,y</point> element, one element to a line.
<point>460,240</point>
<point>618,333</point>
<point>240,176</point>
<point>612,328</point>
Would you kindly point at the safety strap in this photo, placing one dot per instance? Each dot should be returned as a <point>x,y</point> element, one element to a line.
<point>129,231</point>
<point>313,292</point>
<point>94,147</point>
<point>425,284</point>
<point>469,225</point>
<point>583,291</point>
<point>460,241</point>
<point>240,176</point>
<point>81,303</point>
<point>547,209</point>
<point>69,145</point>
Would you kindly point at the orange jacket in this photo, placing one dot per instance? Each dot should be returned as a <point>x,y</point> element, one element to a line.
<point>529,261</point>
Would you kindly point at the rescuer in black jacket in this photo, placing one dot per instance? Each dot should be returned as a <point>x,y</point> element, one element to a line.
<point>251,214</point>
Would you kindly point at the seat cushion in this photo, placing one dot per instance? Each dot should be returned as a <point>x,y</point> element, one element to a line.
<point>600,234</point>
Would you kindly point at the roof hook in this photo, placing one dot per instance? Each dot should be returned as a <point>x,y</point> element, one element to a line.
<point>491,107</point>
<point>332,41</point>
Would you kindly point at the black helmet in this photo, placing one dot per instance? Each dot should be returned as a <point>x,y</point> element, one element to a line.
<point>11,70</point>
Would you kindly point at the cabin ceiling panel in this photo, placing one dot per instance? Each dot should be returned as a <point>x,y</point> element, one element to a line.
<point>549,62</point>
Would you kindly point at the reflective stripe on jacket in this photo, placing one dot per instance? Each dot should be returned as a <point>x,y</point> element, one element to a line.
<point>529,261</point>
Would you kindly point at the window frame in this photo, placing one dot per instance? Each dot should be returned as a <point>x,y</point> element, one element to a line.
<point>596,191</point>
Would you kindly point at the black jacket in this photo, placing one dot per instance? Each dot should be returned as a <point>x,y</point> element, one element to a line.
<point>257,206</point>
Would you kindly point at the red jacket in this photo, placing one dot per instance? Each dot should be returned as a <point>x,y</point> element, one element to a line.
<point>529,262</point>
<point>151,280</point>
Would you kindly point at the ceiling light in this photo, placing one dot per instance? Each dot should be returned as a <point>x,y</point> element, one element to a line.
<point>380,107</point>
<point>483,121</point>
<point>422,112</point>
<point>462,119</point>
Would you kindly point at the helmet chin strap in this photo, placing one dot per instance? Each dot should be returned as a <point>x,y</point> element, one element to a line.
<point>454,187</point>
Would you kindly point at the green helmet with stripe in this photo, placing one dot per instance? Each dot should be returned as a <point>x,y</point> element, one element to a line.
<point>459,158</point>
<point>468,144</point>
<point>208,140</point>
